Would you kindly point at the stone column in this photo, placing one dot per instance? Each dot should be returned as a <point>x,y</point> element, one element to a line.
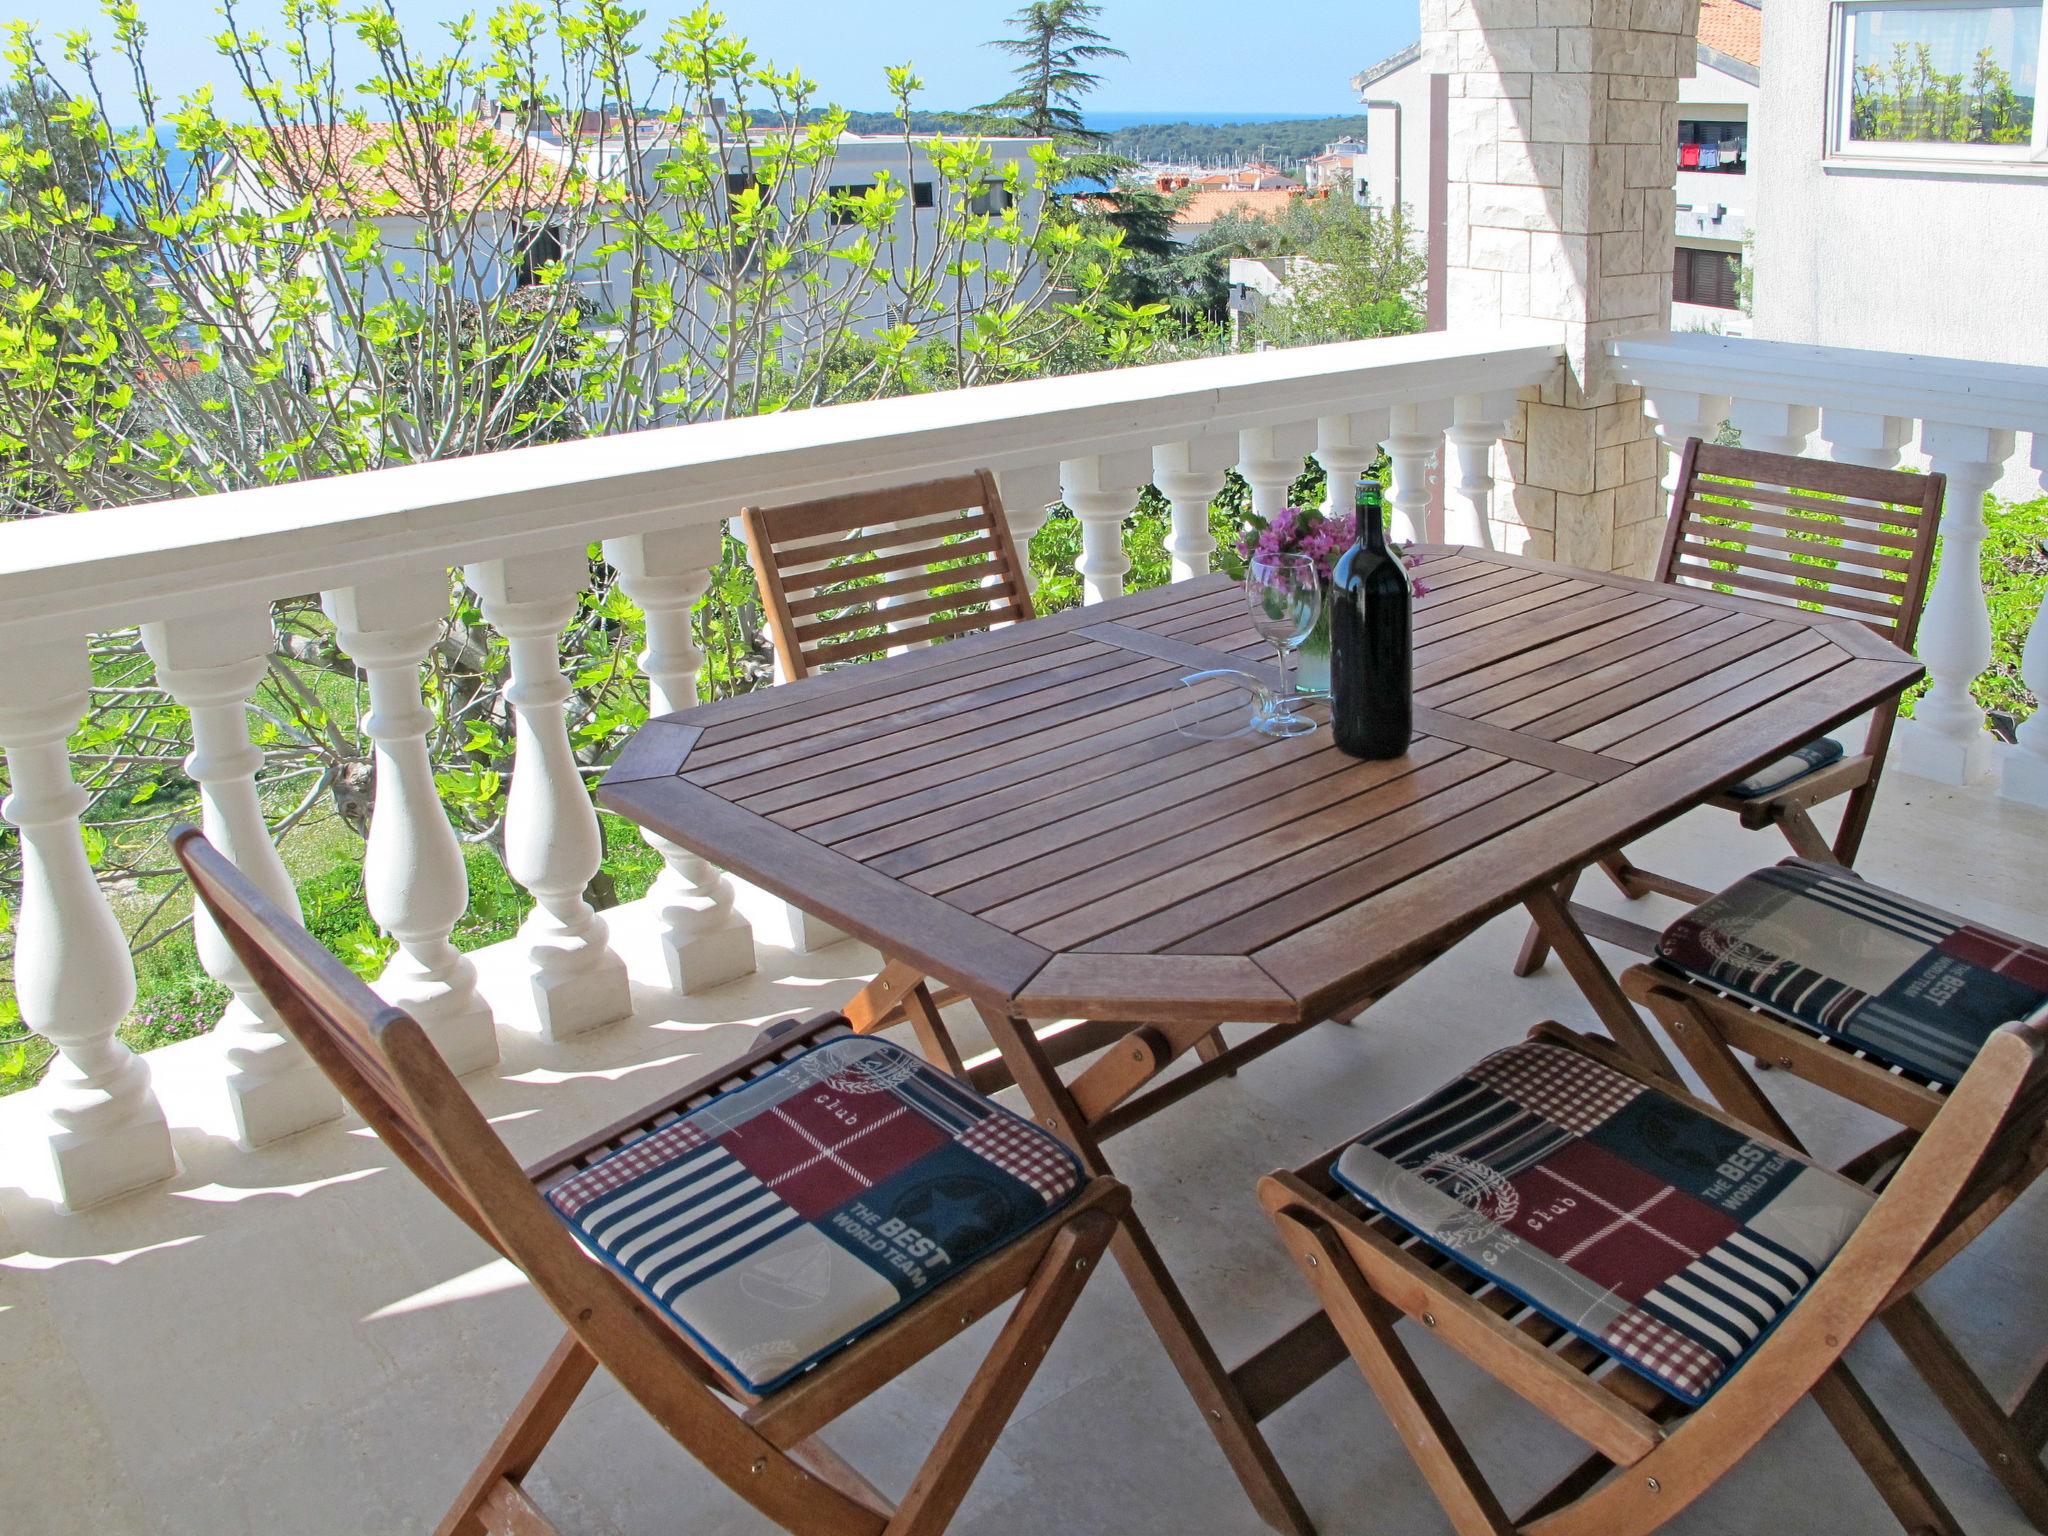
<point>1559,206</point>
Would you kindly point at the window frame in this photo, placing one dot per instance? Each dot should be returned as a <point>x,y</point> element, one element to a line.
<point>1844,151</point>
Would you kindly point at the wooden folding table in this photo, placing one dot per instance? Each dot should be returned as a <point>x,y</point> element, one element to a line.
<point>1018,816</point>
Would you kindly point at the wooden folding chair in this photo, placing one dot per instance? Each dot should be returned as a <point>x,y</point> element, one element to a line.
<point>848,578</point>
<point>845,578</point>
<point>1838,539</point>
<point>762,1445</point>
<point>1662,1426</point>
<point>1718,1009</point>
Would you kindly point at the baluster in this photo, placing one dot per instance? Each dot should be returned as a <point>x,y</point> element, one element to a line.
<point>1189,474</point>
<point>1414,436</point>
<point>1266,470</point>
<point>1346,447</point>
<point>705,941</point>
<point>1678,414</point>
<point>1476,425</point>
<point>1862,437</point>
<point>1946,740</point>
<point>72,975</point>
<point>1028,495</point>
<point>1101,492</point>
<point>553,846</point>
<point>1772,428</point>
<point>414,878</point>
<point>2026,766</point>
<point>212,665</point>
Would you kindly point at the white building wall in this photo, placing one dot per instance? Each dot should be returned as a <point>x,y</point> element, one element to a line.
<point>1395,169</point>
<point>1912,259</point>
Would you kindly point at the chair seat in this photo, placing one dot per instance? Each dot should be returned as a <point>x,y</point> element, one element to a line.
<point>1910,985</point>
<point>1788,770</point>
<point>779,1221</point>
<point>1666,1239</point>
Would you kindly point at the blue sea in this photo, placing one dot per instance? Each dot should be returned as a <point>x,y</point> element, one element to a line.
<point>1109,122</point>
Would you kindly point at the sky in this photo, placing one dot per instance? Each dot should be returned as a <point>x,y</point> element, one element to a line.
<point>1186,56</point>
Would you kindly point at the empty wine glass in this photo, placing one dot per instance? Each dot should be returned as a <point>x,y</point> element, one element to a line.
<point>1286,598</point>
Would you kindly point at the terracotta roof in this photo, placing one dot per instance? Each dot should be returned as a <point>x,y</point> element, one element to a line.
<point>1734,28</point>
<point>369,168</point>
<point>1208,207</point>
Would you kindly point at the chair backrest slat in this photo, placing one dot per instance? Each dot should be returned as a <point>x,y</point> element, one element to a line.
<point>845,578</point>
<point>1840,539</point>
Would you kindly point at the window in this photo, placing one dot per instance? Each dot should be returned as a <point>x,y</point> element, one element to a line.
<point>737,182</point>
<point>1705,277</point>
<point>991,200</point>
<point>1713,146</point>
<point>542,251</point>
<point>923,194</point>
<point>1947,80</point>
<point>844,209</point>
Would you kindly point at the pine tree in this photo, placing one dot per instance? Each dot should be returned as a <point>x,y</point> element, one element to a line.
<point>1055,42</point>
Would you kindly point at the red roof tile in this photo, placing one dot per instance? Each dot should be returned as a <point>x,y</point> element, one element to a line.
<point>1733,28</point>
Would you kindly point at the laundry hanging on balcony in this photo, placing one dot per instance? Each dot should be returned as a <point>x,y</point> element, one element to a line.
<point>1689,156</point>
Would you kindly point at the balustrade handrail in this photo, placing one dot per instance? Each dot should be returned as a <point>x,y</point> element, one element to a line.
<point>106,568</point>
<point>2005,396</point>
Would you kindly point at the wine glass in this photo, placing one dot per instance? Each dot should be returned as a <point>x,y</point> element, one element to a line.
<point>1286,598</point>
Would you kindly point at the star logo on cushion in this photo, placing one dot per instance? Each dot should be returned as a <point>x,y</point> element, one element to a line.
<point>953,1211</point>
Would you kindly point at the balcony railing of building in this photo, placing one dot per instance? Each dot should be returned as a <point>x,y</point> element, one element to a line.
<point>199,583</point>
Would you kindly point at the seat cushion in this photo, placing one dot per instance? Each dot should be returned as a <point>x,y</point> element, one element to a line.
<point>1911,985</point>
<point>1788,769</point>
<point>1662,1237</point>
<point>780,1220</point>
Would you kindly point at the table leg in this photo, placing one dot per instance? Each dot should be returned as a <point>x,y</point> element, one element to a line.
<point>1166,1309</point>
<point>1625,1026</point>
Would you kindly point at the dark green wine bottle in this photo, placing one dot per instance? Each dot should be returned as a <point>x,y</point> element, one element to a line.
<point>1372,641</point>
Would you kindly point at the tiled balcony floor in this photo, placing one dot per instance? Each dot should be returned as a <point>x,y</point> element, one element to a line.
<point>300,1341</point>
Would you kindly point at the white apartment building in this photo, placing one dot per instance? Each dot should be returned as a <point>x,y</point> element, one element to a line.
<point>1891,229</point>
<point>1404,164</point>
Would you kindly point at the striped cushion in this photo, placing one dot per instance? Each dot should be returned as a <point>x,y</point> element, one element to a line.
<point>1911,985</point>
<point>781,1220</point>
<point>1664,1238</point>
<point>1788,769</point>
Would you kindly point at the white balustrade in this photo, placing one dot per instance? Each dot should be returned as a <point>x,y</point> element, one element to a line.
<point>1945,739</point>
<point>2026,766</point>
<point>1476,425</point>
<point>1414,437</point>
<point>1101,491</point>
<point>1865,406</point>
<point>518,525</point>
<point>1347,446</point>
<point>1189,474</point>
<point>414,879</point>
<point>705,941</point>
<point>72,976</point>
<point>553,845</point>
<point>212,665</point>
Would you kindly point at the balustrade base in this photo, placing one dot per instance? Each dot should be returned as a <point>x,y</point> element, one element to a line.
<point>2024,778</point>
<point>467,1041</point>
<point>279,1104</point>
<point>709,957</point>
<point>1929,754</point>
<point>781,923</point>
<point>569,1004</point>
<point>92,1167</point>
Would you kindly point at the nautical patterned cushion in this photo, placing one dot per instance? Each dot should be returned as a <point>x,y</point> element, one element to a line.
<point>1654,1232</point>
<point>1793,766</point>
<point>782,1219</point>
<point>1913,986</point>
